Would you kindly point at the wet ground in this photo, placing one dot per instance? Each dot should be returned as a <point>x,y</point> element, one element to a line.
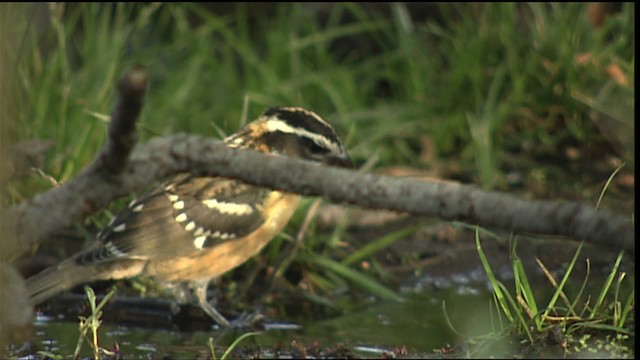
<point>413,327</point>
<point>453,283</point>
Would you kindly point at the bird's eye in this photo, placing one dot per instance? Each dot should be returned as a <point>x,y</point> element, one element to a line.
<point>314,147</point>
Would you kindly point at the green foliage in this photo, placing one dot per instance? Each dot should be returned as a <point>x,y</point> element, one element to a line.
<point>359,279</point>
<point>481,81</point>
<point>92,322</point>
<point>606,318</point>
<point>233,345</point>
<point>568,320</point>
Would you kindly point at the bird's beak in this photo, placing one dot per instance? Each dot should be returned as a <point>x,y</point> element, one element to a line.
<point>342,161</point>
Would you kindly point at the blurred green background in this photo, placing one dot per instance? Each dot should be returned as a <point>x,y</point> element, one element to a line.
<point>403,83</point>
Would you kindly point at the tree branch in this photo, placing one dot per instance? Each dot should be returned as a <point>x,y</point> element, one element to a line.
<point>111,176</point>
<point>30,223</point>
<point>121,137</point>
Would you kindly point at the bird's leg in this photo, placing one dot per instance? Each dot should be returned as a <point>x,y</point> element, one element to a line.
<point>200,290</point>
<point>254,321</point>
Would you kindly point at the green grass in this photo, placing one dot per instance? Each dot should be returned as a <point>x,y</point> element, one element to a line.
<point>477,84</point>
<point>527,318</point>
<point>92,323</point>
<point>468,84</point>
<point>532,321</point>
<point>233,345</point>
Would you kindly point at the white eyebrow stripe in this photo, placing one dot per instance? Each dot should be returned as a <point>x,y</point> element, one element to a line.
<point>275,124</point>
<point>228,208</point>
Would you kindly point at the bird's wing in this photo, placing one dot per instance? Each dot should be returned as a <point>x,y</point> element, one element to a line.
<point>180,218</point>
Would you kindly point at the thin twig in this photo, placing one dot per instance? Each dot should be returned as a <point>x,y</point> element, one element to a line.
<point>290,254</point>
<point>122,129</point>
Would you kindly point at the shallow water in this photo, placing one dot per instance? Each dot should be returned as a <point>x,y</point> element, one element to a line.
<point>417,324</point>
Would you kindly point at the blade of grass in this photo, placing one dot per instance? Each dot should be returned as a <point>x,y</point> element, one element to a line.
<point>338,32</point>
<point>582,287</point>
<point>288,254</point>
<point>447,319</point>
<point>498,312</point>
<point>104,300</point>
<point>235,343</point>
<point>554,283</point>
<point>523,288</point>
<point>50,355</point>
<point>627,308</point>
<point>599,326</point>
<point>94,320</point>
<point>321,300</point>
<point>491,316</point>
<point>608,183</point>
<point>527,292</point>
<point>501,293</point>
<point>492,279</point>
<point>379,244</point>
<point>606,286</point>
<point>212,348</point>
<point>361,280</point>
<point>523,304</point>
<point>565,278</point>
<point>521,319</point>
<point>83,328</point>
<point>616,304</point>
<point>319,281</point>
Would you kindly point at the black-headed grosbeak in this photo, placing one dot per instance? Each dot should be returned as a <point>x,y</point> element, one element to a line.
<point>192,229</point>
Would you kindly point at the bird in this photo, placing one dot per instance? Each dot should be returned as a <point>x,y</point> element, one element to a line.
<point>192,229</point>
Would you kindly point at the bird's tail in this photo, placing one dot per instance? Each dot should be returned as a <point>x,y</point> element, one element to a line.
<point>57,279</point>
